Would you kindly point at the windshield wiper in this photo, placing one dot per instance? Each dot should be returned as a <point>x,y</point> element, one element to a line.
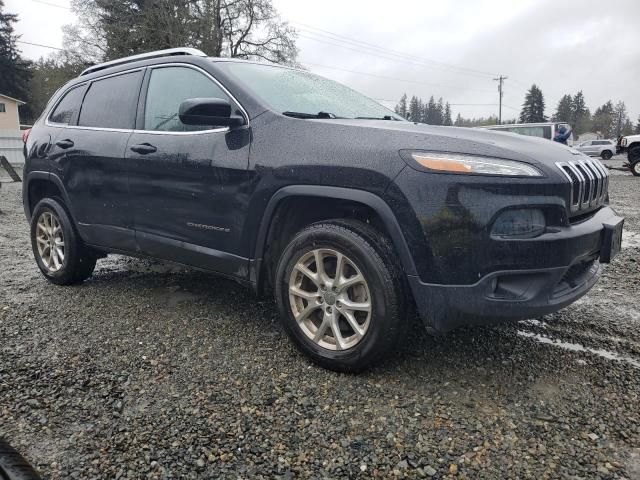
<point>309,115</point>
<point>386,117</point>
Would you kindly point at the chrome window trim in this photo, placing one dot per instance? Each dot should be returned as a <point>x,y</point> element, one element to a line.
<point>153,132</point>
<point>212,78</point>
<point>50,111</point>
<point>89,82</point>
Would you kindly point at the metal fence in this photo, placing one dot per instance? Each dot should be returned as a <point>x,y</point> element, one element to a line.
<point>11,146</point>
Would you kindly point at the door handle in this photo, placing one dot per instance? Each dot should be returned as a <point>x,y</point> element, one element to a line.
<point>143,148</point>
<point>64,144</point>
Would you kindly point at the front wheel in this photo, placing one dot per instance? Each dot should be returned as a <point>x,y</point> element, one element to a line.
<point>635,168</point>
<point>606,155</point>
<point>341,294</point>
<point>59,252</point>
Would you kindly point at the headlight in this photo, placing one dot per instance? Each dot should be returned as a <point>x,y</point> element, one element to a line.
<point>473,164</point>
<point>623,143</point>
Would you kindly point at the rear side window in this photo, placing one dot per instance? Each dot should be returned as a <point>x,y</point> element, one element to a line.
<point>168,88</point>
<point>112,102</point>
<point>68,107</point>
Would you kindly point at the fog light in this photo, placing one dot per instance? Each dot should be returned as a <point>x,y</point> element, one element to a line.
<point>523,222</point>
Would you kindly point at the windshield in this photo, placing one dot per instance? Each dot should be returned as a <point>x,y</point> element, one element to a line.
<point>311,96</point>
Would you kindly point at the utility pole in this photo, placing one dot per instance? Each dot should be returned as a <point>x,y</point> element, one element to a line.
<point>500,81</point>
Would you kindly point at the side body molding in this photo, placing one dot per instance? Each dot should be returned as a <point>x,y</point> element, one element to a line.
<point>360,196</point>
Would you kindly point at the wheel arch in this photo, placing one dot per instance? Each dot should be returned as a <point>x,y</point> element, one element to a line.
<point>366,199</point>
<point>38,185</point>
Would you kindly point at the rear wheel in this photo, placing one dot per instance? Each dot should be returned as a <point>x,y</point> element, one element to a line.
<point>341,294</point>
<point>635,168</point>
<point>59,252</point>
<point>606,154</point>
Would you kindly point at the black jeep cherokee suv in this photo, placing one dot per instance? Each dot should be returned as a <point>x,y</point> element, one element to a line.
<point>291,183</point>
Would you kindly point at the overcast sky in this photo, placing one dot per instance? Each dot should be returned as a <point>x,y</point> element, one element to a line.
<point>448,48</point>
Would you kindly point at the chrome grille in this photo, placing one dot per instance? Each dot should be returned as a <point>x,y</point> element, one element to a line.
<point>589,182</point>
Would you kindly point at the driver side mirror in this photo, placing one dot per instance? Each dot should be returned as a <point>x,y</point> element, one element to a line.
<point>208,111</point>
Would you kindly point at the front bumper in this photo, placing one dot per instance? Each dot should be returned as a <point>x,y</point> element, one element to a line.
<point>517,294</point>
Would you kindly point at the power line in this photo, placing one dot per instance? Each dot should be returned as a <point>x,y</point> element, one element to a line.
<point>52,4</point>
<point>39,45</point>
<point>371,52</point>
<point>334,36</point>
<point>398,79</point>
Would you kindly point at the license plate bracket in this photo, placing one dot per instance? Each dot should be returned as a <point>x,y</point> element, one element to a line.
<point>612,240</point>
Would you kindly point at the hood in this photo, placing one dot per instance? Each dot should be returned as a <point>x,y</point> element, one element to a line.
<point>511,146</point>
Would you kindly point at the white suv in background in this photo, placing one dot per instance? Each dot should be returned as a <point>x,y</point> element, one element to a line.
<point>598,148</point>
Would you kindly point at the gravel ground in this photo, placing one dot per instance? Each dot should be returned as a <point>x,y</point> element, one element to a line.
<point>149,370</point>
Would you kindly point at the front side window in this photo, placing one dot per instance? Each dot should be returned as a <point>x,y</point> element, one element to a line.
<point>68,107</point>
<point>111,102</point>
<point>3,109</point>
<point>297,92</point>
<point>168,88</point>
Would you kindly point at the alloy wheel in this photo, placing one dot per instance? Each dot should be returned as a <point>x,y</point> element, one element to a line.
<point>50,241</point>
<point>330,299</point>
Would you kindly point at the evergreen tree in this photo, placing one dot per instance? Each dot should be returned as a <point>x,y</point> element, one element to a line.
<point>447,115</point>
<point>564,111</point>
<point>414,109</point>
<point>431,114</point>
<point>603,119</point>
<point>533,106</point>
<point>637,131</point>
<point>421,109</point>
<point>580,115</point>
<point>460,122</point>
<point>48,75</point>
<point>401,107</point>
<point>627,128</point>
<point>14,70</point>
<point>440,112</point>
<point>620,119</point>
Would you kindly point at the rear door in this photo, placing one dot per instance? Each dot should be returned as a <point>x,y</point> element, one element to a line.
<point>93,170</point>
<point>189,184</point>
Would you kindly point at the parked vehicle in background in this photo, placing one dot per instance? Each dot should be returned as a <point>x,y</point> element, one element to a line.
<point>598,148</point>
<point>546,130</point>
<point>298,186</point>
<point>631,145</point>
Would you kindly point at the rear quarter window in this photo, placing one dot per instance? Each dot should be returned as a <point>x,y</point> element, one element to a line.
<point>68,107</point>
<point>111,102</point>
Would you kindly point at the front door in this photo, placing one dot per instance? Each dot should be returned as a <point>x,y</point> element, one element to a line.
<point>189,184</point>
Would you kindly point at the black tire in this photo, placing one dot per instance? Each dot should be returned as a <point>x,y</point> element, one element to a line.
<point>13,466</point>
<point>79,261</point>
<point>374,256</point>
<point>633,155</point>
<point>606,154</point>
<point>635,168</point>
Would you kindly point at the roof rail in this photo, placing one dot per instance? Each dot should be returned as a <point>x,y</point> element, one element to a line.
<point>145,56</point>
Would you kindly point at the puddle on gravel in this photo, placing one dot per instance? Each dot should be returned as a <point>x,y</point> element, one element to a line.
<point>576,347</point>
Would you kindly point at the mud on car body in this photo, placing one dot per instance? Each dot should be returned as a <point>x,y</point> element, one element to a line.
<point>296,185</point>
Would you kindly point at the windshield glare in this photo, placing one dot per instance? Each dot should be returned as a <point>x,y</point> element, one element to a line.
<point>288,90</point>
